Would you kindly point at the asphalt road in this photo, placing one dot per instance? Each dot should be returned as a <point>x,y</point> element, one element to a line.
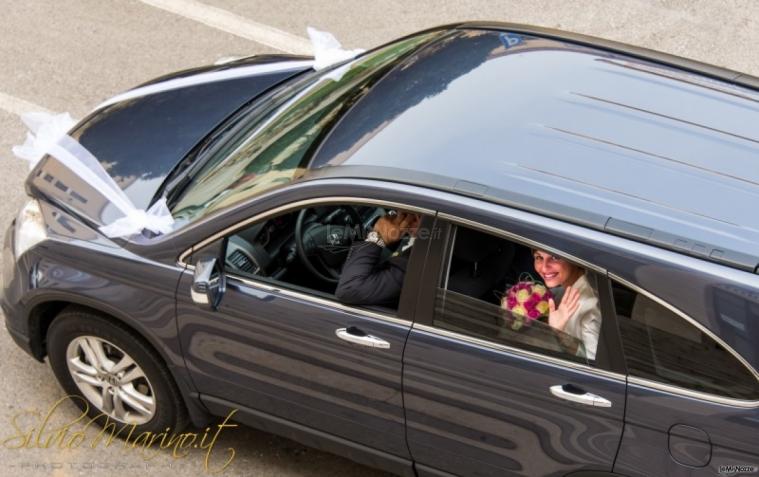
<point>69,55</point>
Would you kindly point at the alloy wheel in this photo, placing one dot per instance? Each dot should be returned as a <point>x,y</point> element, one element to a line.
<point>111,380</point>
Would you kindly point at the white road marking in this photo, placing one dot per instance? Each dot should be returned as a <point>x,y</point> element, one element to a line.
<point>203,78</point>
<point>235,24</point>
<point>18,106</point>
<point>207,15</point>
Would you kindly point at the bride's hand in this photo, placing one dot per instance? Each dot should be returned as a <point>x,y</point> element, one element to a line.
<point>558,318</point>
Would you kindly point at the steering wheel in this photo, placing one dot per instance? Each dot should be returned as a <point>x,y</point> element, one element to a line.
<point>323,246</point>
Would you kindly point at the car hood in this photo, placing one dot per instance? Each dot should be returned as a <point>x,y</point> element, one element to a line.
<point>140,135</point>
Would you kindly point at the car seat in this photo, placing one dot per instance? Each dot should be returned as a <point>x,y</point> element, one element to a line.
<point>479,264</point>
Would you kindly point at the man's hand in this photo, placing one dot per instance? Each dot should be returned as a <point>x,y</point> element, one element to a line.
<point>392,228</point>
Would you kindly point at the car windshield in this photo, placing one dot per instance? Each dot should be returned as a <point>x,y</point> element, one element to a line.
<point>274,149</point>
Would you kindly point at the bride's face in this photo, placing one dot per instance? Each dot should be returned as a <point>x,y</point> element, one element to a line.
<point>554,270</point>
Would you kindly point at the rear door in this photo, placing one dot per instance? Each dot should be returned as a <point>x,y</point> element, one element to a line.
<point>484,399</point>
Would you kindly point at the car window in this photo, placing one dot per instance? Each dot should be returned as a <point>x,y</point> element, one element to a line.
<point>662,346</point>
<point>274,148</point>
<point>492,290</point>
<point>327,251</point>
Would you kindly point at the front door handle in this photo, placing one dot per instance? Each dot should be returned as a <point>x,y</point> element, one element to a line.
<point>356,336</point>
<point>575,394</point>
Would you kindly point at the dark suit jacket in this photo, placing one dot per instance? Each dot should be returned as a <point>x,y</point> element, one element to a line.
<point>368,280</point>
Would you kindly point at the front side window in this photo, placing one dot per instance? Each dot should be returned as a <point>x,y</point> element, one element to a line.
<point>356,254</point>
<point>505,292</point>
<point>661,346</point>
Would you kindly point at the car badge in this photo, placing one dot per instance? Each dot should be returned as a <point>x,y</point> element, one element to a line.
<point>334,239</point>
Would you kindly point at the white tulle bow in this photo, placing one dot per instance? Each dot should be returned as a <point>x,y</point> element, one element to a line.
<point>44,131</point>
<point>49,135</point>
<point>327,50</point>
<point>157,219</point>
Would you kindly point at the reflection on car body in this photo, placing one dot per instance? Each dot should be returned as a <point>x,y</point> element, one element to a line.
<point>505,140</point>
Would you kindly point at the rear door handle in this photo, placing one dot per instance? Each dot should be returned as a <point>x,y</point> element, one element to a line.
<point>356,336</point>
<point>572,393</point>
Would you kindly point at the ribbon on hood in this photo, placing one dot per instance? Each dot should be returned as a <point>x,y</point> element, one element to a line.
<point>48,134</point>
<point>44,131</point>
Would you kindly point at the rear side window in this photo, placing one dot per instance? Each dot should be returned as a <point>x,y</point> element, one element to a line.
<point>661,346</point>
<point>492,291</point>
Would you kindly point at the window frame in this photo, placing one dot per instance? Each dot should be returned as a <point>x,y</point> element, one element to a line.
<point>671,388</point>
<point>409,291</point>
<point>608,362</point>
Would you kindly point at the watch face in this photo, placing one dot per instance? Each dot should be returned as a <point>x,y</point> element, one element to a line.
<point>374,237</point>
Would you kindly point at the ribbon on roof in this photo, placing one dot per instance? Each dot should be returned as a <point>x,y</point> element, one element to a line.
<point>327,50</point>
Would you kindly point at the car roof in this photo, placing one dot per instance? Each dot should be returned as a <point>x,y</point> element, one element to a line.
<point>639,144</point>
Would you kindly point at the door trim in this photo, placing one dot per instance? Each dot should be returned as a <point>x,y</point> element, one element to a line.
<point>317,300</point>
<point>521,352</point>
<point>712,398</point>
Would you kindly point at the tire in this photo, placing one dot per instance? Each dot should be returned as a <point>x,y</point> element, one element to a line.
<point>90,355</point>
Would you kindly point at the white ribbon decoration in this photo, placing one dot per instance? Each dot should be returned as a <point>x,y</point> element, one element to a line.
<point>327,50</point>
<point>44,130</point>
<point>157,219</point>
<point>49,135</point>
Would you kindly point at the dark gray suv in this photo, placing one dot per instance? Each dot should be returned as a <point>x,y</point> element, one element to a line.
<point>518,149</point>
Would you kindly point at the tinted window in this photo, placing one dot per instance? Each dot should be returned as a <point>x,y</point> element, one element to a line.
<point>275,148</point>
<point>661,346</point>
<point>330,259</point>
<point>488,287</point>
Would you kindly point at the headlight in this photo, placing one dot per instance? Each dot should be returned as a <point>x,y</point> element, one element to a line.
<point>30,228</point>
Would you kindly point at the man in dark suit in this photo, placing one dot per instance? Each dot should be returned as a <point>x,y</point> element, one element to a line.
<point>367,279</point>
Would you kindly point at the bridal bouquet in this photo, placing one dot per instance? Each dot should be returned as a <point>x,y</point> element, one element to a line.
<point>527,301</point>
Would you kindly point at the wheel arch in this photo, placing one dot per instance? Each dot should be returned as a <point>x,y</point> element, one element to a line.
<point>42,313</point>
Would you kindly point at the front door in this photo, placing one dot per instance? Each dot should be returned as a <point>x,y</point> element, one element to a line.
<point>280,345</point>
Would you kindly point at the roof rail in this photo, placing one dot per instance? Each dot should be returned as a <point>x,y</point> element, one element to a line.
<point>686,64</point>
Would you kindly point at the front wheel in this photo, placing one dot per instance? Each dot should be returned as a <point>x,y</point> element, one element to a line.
<point>116,376</point>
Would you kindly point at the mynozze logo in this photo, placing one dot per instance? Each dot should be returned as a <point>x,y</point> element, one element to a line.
<point>738,469</point>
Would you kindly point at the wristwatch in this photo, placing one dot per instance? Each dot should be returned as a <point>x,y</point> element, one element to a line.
<point>375,238</point>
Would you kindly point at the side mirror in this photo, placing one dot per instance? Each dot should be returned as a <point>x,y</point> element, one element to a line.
<point>207,289</point>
